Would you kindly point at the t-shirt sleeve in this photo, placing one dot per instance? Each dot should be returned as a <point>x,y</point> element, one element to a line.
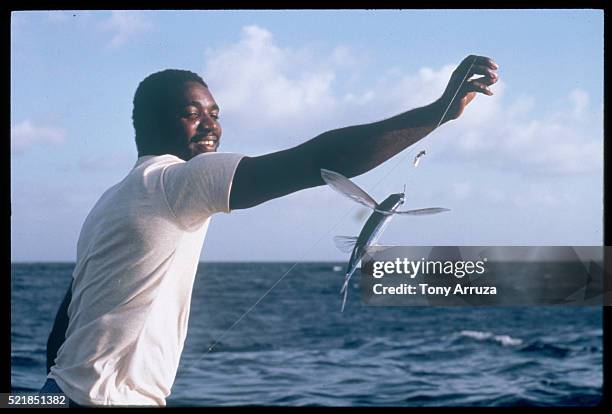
<point>200,187</point>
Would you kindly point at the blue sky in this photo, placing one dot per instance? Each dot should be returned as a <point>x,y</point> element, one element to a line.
<point>523,167</point>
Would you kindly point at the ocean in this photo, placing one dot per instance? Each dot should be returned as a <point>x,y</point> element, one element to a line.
<point>296,348</point>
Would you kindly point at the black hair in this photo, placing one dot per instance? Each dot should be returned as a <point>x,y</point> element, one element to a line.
<point>151,100</point>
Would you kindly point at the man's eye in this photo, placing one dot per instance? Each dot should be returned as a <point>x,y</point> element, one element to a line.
<point>193,115</point>
<point>214,116</point>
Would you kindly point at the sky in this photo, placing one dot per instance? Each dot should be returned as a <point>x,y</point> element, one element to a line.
<point>523,167</point>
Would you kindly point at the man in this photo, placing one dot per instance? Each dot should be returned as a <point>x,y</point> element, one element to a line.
<point>119,333</point>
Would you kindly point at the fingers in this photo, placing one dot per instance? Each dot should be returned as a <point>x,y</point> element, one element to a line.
<point>489,74</point>
<point>474,74</point>
<point>480,65</point>
<point>478,85</point>
<point>479,60</point>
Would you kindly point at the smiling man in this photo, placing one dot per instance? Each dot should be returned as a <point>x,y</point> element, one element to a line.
<point>120,331</point>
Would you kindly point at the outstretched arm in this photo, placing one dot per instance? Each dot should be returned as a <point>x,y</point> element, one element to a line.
<point>58,332</point>
<point>356,149</point>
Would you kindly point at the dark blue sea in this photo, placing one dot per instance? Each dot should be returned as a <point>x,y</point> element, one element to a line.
<point>296,348</point>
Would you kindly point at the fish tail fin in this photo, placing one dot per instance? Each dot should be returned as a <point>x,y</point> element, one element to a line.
<point>344,300</point>
<point>344,290</point>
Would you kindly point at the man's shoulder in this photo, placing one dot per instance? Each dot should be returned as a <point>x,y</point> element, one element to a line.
<point>142,175</point>
<point>156,160</point>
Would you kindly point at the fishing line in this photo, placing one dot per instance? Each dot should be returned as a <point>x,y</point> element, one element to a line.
<point>402,159</point>
<point>245,313</point>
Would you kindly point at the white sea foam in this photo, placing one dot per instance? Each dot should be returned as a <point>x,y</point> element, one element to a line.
<point>504,340</point>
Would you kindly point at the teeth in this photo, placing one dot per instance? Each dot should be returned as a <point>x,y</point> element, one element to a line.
<point>206,142</point>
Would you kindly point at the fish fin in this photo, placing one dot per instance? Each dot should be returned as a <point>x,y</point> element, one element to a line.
<point>347,188</point>
<point>345,244</point>
<point>344,300</point>
<point>423,211</point>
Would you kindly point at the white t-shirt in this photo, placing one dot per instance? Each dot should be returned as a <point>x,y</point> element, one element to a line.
<point>137,257</point>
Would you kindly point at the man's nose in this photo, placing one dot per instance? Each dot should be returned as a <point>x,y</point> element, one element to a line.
<point>208,124</point>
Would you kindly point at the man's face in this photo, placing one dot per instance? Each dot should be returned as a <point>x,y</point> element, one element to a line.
<point>195,127</point>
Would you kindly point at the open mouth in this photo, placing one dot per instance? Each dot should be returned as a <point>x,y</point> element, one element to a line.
<point>207,141</point>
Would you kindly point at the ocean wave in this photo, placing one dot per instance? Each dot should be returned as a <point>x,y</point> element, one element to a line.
<point>24,361</point>
<point>546,349</point>
<point>504,340</point>
<point>533,347</point>
<point>352,343</point>
<point>518,366</point>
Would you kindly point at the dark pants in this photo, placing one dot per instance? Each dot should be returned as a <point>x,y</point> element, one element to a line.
<point>51,387</point>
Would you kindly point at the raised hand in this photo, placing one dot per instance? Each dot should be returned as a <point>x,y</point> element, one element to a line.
<point>462,89</point>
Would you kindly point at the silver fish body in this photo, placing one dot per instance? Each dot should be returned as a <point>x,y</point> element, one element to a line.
<point>370,233</point>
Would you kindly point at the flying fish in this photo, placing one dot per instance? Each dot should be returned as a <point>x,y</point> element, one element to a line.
<point>373,228</point>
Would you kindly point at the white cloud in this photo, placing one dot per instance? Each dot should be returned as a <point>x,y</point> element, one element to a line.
<point>568,141</point>
<point>124,25</point>
<point>418,89</point>
<point>25,134</point>
<point>259,83</point>
<point>283,96</point>
<point>494,133</point>
<point>344,56</point>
